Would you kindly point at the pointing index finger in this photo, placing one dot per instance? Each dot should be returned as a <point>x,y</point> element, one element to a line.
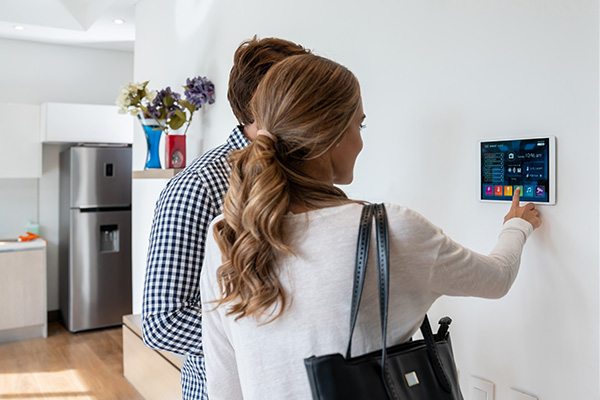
<point>515,199</point>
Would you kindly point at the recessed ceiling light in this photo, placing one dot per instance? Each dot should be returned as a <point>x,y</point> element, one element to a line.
<point>19,27</point>
<point>119,21</point>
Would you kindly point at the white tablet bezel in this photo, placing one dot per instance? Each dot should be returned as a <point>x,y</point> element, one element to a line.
<point>551,168</point>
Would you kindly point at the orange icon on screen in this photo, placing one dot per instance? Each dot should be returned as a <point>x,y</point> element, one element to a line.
<point>498,190</point>
<point>508,190</point>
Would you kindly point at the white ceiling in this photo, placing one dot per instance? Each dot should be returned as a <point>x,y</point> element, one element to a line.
<point>87,23</point>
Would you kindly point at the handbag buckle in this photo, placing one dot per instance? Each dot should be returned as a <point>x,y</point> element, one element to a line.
<point>411,379</point>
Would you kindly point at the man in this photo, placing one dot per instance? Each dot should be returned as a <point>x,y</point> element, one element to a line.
<point>185,208</point>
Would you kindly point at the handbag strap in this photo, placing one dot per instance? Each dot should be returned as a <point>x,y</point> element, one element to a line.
<point>381,224</point>
<point>362,255</point>
<point>383,279</point>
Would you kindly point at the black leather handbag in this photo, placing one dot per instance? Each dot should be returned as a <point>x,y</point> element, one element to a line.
<point>420,370</point>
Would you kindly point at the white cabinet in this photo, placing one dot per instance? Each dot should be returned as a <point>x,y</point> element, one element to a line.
<point>21,150</point>
<point>155,374</point>
<point>23,311</point>
<point>85,123</point>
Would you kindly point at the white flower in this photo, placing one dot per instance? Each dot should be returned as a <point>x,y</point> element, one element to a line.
<point>123,102</point>
<point>151,94</point>
<point>128,92</point>
<point>127,89</point>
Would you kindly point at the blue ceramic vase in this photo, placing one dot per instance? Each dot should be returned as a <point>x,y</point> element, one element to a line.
<point>153,133</point>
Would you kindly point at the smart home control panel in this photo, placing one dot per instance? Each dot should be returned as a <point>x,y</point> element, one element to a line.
<point>527,163</point>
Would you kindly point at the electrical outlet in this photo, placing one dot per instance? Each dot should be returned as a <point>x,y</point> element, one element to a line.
<point>481,389</point>
<point>518,395</point>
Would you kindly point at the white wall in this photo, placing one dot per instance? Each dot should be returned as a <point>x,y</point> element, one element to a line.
<point>34,73</point>
<point>436,77</point>
<point>23,192</point>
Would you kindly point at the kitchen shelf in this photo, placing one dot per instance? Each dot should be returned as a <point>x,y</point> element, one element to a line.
<point>156,173</point>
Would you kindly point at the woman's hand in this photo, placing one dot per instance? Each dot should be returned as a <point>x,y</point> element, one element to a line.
<point>528,212</point>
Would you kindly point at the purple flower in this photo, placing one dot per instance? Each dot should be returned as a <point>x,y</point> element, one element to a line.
<point>199,91</point>
<point>165,104</point>
<point>154,112</point>
<point>166,107</point>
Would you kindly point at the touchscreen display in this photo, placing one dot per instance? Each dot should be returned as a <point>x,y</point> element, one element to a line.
<point>506,165</point>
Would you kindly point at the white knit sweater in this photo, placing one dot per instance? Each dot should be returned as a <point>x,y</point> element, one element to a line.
<point>253,361</point>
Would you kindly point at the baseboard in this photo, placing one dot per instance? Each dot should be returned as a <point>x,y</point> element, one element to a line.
<point>22,333</point>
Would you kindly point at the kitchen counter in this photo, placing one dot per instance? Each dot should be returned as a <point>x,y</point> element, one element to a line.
<point>23,309</point>
<point>14,245</point>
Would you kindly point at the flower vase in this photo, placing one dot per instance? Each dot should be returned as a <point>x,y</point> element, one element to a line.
<point>153,133</point>
<point>175,151</point>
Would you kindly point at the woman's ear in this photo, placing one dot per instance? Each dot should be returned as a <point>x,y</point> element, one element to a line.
<point>250,131</point>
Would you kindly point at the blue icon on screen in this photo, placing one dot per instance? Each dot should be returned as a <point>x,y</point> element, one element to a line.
<point>529,190</point>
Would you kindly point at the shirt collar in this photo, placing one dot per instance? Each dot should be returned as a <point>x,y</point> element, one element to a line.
<point>237,140</point>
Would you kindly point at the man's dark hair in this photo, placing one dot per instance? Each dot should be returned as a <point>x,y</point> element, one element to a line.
<point>251,61</point>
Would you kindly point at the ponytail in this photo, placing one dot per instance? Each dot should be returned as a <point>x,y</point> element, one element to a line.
<point>250,236</point>
<point>305,103</point>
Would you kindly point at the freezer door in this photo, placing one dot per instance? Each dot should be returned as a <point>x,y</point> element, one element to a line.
<point>100,177</point>
<point>100,269</point>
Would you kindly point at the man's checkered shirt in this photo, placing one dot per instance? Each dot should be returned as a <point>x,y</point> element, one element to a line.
<point>171,304</point>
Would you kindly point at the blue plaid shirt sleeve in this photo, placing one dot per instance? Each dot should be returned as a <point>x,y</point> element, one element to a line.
<point>172,319</point>
<point>184,210</point>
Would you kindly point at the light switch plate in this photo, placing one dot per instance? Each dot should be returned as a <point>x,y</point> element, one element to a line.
<point>518,395</point>
<point>478,394</point>
<point>480,389</point>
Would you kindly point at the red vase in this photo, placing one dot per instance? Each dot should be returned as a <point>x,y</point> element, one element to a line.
<point>175,151</point>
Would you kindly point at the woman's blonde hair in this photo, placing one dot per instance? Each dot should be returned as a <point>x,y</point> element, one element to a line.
<point>306,103</point>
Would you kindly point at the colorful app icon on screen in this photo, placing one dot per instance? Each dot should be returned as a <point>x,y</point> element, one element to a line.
<point>498,190</point>
<point>529,190</point>
<point>489,190</point>
<point>508,190</point>
<point>520,187</point>
<point>540,191</point>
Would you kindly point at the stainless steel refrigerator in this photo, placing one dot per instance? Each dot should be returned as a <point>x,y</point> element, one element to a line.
<point>95,236</point>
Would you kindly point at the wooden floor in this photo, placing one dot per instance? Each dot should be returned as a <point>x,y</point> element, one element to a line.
<point>87,365</point>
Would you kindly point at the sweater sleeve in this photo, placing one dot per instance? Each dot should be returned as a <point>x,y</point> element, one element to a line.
<point>441,266</point>
<point>223,381</point>
<point>458,271</point>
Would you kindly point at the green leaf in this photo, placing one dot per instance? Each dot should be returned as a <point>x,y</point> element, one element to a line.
<point>189,106</point>
<point>168,101</point>
<point>177,121</point>
<point>181,115</point>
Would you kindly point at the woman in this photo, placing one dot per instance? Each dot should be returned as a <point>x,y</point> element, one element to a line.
<point>277,275</point>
